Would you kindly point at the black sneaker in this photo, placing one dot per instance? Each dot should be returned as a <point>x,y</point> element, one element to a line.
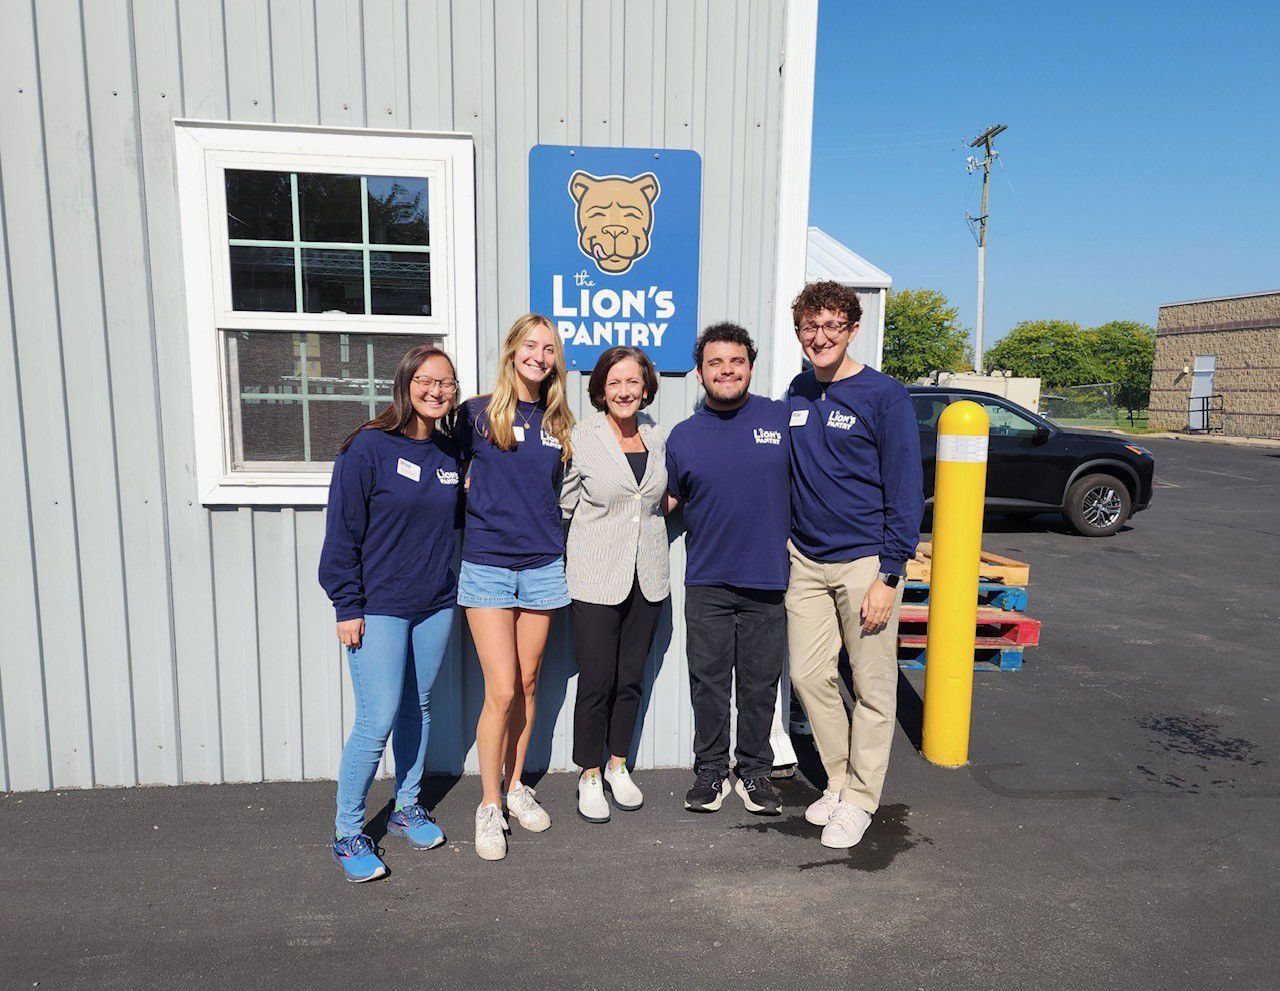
<point>708,791</point>
<point>758,796</point>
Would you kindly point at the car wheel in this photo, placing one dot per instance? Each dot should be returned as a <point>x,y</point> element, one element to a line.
<point>1098,505</point>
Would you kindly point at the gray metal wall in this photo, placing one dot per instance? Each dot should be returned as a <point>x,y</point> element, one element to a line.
<point>149,639</point>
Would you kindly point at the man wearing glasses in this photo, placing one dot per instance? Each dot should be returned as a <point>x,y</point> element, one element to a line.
<point>856,504</point>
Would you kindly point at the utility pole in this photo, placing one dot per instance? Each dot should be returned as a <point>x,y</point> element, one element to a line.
<point>984,139</point>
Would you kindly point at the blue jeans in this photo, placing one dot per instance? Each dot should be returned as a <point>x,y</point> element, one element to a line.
<point>393,699</point>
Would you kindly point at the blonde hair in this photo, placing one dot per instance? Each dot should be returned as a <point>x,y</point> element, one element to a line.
<point>557,420</point>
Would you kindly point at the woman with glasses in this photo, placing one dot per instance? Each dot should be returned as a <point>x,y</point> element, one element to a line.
<point>512,578</point>
<point>389,541</point>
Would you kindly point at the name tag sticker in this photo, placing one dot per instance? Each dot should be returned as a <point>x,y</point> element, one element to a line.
<point>519,433</point>
<point>799,417</point>
<point>408,469</point>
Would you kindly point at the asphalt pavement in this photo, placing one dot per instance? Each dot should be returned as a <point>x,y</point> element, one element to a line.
<point>1116,826</point>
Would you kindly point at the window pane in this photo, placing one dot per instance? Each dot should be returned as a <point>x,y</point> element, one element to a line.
<point>397,210</point>
<point>400,282</point>
<point>259,205</point>
<point>332,281</point>
<point>1005,422</point>
<point>329,207</point>
<point>301,394</point>
<point>262,279</point>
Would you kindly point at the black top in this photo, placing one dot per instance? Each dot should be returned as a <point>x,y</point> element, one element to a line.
<point>639,460</point>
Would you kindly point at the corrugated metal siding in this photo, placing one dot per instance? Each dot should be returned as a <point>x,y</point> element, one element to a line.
<point>153,640</point>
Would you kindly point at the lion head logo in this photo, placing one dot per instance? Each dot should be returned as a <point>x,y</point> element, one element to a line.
<point>615,215</point>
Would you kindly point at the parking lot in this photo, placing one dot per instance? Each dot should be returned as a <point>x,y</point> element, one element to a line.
<point>1116,826</point>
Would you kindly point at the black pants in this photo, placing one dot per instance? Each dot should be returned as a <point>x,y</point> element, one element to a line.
<point>611,644</point>
<point>732,632</point>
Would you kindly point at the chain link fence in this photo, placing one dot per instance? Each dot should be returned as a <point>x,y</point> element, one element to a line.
<point>1100,404</point>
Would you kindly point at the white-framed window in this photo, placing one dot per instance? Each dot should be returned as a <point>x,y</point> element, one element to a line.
<point>313,259</point>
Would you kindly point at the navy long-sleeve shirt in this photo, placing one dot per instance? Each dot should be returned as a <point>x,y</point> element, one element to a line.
<point>731,471</point>
<point>389,532</point>
<point>513,502</point>
<point>857,485</point>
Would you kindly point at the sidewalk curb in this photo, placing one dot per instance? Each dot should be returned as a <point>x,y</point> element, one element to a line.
<point>1199,438</point>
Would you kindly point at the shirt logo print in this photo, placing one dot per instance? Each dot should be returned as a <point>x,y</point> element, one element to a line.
<point>763,436</point>
<point>549,441</point>
<point>841,421</point>
<point>447,477</point>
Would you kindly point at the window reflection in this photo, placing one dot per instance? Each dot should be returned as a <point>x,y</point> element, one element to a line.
<point>332,281</point>
<point>329,207</point>
<point>400,282</point>
<point>259,205</point>
<point>262,279</point>
<point>397,210</point>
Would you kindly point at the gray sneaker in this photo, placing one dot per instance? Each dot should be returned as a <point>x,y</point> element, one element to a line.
<point>491,840</point>
<point>845,827</point>
<point>524,808</point>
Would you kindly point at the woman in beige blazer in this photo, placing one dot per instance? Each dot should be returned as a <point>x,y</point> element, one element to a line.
<point>617,566</point>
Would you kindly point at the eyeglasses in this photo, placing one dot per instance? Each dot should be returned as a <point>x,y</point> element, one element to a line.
<point>808,331</point>
<point>429,384</point>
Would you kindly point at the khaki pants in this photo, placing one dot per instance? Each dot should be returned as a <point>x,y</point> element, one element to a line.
<point>824,603</point>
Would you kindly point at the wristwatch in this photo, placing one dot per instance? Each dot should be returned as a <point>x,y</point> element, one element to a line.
<point>890,580</point>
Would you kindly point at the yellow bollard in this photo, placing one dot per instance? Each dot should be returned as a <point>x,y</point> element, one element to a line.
<point>958,491</point>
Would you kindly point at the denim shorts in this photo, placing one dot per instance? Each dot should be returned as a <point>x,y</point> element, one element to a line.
<point>486,586</point>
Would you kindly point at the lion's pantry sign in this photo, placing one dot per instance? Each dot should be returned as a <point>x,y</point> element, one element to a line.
<point>613,250</point>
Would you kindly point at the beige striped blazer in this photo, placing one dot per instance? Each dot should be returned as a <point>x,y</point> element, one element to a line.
<point>616,528</point>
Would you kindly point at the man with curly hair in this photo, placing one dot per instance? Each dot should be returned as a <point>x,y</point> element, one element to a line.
<point>856,504</point>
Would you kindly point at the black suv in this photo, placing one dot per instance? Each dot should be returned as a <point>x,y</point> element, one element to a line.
<point>1096,480</point>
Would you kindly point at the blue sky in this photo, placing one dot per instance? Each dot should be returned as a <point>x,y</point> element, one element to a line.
<point>1141,165</point>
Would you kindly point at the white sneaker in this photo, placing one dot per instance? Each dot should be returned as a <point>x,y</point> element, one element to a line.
<point>591,803</point>
<point>845,827</point>
<point>525,809</point>
<point>626,795</point>
<point>491,840</point>
<point>819,813</point>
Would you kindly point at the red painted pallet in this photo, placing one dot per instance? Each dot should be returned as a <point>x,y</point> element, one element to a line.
<point>996,627</point>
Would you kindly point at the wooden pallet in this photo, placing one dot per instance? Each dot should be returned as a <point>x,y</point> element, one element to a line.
<point>989,594</point>
<point>991,567</point>
<point>984,658</point>
<point>995,627</point>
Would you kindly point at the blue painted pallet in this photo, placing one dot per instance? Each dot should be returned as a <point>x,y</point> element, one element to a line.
<point>984,659</point>
<point>989,594</point>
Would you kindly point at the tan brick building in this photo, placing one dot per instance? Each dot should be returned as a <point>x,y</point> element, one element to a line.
<point>1226,354</point>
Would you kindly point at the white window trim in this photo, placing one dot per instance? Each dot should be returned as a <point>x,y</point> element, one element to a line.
<point>203,149</point>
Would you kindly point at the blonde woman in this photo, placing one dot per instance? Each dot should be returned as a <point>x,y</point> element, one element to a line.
<point>512,578</point>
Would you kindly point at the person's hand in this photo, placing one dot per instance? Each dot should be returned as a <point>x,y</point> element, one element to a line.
<point>351,632</point>
<point>877,605</point>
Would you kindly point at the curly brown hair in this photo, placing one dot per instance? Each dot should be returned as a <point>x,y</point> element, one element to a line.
<point>833,296</point>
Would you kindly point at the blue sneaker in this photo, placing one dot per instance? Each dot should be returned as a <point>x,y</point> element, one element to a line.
<point>413,823</point>
<point>358,858</point>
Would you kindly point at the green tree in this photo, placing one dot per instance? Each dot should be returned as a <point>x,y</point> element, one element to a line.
<point>1056,351</point>
<point>922,334</point>
<point>1125,351</point>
